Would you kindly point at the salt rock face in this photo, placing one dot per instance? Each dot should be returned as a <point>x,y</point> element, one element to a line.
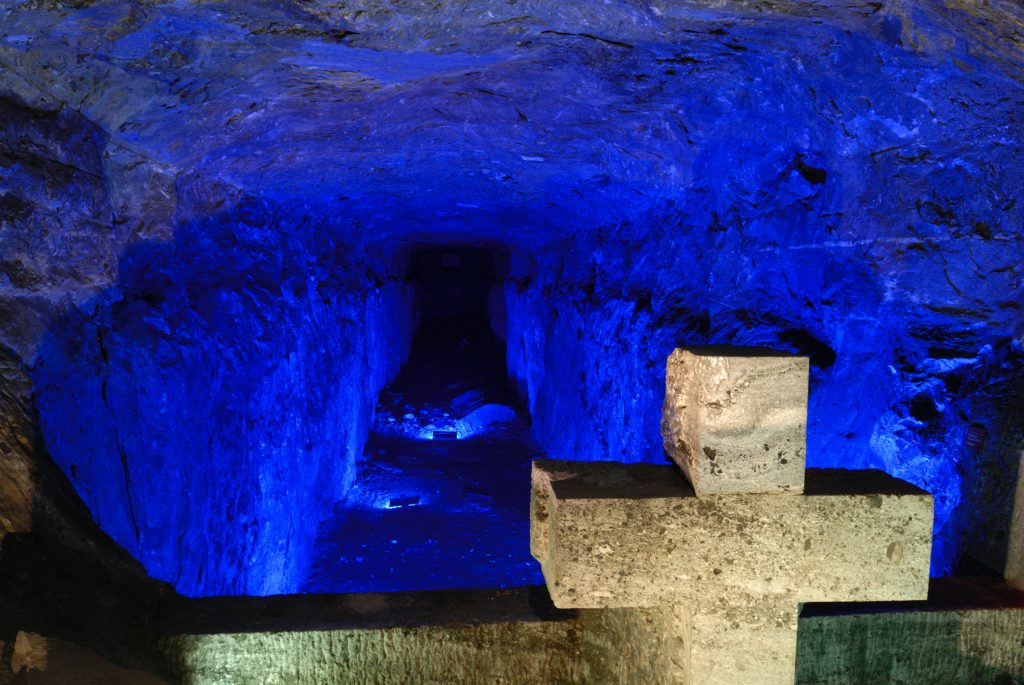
<point>220,420</point>
<point>203,208</point>
<point>57,235</point>
<point>61,574</point>
<point>17,468</point>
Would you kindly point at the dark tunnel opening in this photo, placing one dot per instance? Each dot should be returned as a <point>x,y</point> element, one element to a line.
<point>457,352</point>
<point>441,499</point>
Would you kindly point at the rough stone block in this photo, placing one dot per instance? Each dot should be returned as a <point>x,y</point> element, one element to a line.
<point>616,535</point>
<point>735,418</point>
<point>969,631</point>
<point>737,566</point>
<point>744,644</point>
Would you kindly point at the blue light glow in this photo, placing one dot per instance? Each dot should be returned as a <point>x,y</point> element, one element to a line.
<point>222,265</point>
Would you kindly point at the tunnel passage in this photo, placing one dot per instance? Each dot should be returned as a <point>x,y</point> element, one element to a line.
<point>457,355</point>
<point>441,499</point>
<point>214,406</point>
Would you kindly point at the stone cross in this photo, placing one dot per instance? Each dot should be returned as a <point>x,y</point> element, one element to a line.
<point>755,535</point>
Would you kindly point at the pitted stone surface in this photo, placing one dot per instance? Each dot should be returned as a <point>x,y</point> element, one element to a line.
<point>611,535</point>
<point>744,644</point>
<point>615,535</point>
<point>735,418</point>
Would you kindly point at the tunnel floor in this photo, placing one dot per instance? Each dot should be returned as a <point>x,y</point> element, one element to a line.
<point>425,513</point>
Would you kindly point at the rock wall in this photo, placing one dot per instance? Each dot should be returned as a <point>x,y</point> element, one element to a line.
<point>837,178</point>
<point>210,408</point>
<point>64,580</point>
<point>71,201</point>
<point>57,236</point>
<point>851,207</point>
<point>205,376</point>
<point>913,340</point>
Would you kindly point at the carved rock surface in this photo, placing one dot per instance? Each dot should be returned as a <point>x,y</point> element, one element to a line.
<point>202,210</point>
<point>613,535</point>
<point>470,636</point>
<point>70,598</point>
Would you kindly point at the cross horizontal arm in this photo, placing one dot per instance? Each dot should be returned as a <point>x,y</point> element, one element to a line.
<point>616,535</point>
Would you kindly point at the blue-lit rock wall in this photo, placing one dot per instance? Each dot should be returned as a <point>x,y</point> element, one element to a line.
<point>837,178</point>
<point>56,237</point>
<point>824,228</point>
<point>210,408</point>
